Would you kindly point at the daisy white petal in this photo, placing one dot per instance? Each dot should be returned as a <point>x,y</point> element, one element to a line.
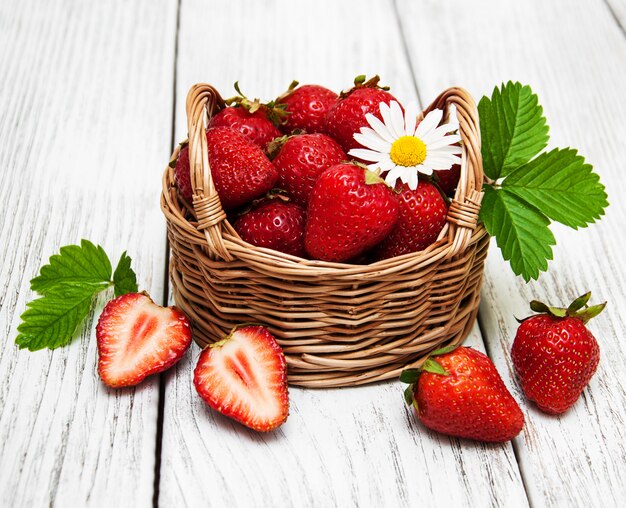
<point>429,123</point>
<point>397,118</point>
<point>443,130</point>
<point>385,112</point>
<point>366,155</point>
<point>393,176</point>
<point>380,128</point>
<point>425,170</point>
<point>444,143</point>
<point>386,164</point>
<point>372,141</point>
<point>412,181</point>
<point>410,118</point>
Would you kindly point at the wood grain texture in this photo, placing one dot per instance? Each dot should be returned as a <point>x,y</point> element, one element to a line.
<point>618,10</point>
<point>342,447</point>
<point>86,103</point>
<point>573,54</point>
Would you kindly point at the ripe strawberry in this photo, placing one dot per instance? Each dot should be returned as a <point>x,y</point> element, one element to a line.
<point>347,116</point>
<point>137,338</point>
<point>302,159</point>
<point>244,376</point>
<point>240,169</point>
<point>253,125</point>
<point>555,355</point>
<point>274,224</point>
<point>181,172</point>
<point>307,106</point>
<point>423,213</point>
<point>448,179</point>
<point>461,394</point>
<point>351,209</point>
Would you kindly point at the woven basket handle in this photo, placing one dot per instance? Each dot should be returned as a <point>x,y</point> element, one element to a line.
<point>204,101</point>
<point>465,206</point>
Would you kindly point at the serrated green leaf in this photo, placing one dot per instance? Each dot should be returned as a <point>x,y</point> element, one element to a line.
<point>562,186</point>
<point>84,264</point>
<point>51,321</point>
<point>513,129</point>
<point>124,278</point>
<point>521,232</point>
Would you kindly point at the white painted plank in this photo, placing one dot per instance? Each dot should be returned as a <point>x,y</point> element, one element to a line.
<point>618,10</point>
<point>573,54</point>
<point>342,447</point>
<point>86,105</point>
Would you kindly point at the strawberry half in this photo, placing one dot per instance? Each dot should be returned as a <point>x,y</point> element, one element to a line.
<point>137,338</point>
<point>244,377</point>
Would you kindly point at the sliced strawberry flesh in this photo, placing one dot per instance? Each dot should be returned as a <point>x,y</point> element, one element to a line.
<point>137,338</point>
<point>244,377</point>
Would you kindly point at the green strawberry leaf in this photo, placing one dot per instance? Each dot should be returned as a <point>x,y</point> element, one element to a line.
<point>408,395</point>
<point>409,375</point>
<point>84,264</point>
<point>51,321</point>
<point>562,186</point>
<point>68,284</point>
<point>579,303</point>
<point>124,278</point>
<point>521,231</point>
<point>512,127</point>
<point>434,367</point>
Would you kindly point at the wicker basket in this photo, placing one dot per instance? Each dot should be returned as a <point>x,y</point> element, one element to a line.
<point>338,324</point>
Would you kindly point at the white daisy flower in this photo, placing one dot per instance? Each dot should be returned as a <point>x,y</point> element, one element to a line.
<point>400,149</point>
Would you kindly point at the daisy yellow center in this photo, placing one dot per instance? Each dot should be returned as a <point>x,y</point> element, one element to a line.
<point>408,151</point>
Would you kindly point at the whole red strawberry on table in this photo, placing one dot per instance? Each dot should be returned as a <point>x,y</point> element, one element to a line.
<point>555,355</point>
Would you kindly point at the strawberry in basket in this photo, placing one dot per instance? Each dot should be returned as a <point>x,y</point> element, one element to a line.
<point>306,106</point>
<point>351,209</point>
<point>301,159</point>
<point>423,213</point>
<point>347,116</point>
<point>275,223</point>
<point>241,171</point>
<point>253,119</point>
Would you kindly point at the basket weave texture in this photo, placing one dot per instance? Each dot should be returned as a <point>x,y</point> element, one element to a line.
<point>338,324</point>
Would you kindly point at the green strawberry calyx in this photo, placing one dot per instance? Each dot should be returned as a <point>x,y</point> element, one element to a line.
<point>578,309</point>
<point>292,86</point>
<point>276,113</point>
<point>411,376</point>
<point>361,81</point>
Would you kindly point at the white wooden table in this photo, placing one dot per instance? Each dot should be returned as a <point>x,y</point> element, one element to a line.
<point>91,103</point>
